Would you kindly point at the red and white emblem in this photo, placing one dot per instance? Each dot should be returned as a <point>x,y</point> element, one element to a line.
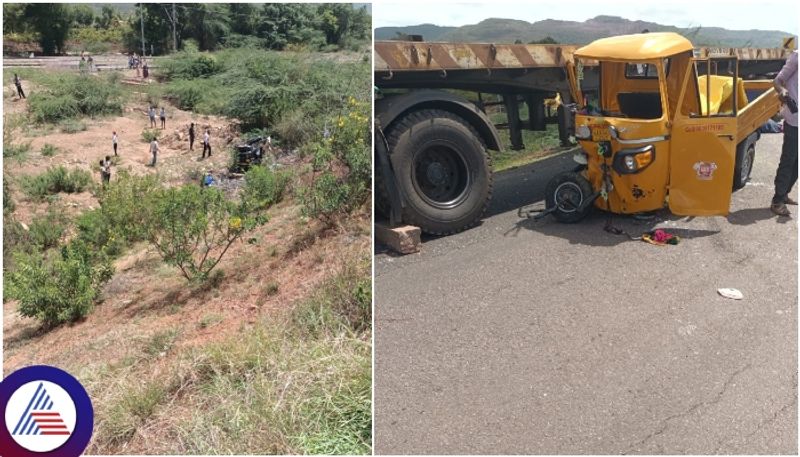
<point>705,170</point>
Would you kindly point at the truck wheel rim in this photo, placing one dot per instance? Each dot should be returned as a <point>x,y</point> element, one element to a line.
<point>568,197</point>
<point>440,177</point>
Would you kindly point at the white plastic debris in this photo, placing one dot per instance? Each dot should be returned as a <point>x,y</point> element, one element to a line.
<point>731,293</point>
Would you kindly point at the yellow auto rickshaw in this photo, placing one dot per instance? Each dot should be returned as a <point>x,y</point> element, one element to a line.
<point>665,127</point>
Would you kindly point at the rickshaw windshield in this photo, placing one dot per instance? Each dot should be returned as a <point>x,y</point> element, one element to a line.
<point>623,89</point>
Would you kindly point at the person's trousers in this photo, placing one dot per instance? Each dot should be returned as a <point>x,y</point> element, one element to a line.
<point>206,147</point>
<point>786,175</point>
<point>115,148</point>
<point>191,143</point>
<point>20,91</point>
<point>155,155</point>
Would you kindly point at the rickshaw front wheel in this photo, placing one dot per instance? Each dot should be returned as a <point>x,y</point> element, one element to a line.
<point>568,192</point>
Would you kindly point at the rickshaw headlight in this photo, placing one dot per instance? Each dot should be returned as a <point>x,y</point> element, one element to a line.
<point>630,163</point>
<point>627,161</point>
<point>583,132</point>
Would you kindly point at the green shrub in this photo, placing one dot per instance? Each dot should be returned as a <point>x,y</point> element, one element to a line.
<point>52,108</point>
<point>46,231</point>
<point>68,96</point>
<point>48,150</point>
<point>193,227</point>
<point>8,202</point>
<point>149,135</point>
<point>189,65</point>
<point>186,94</point>
<point>16,151</point>
<point>326,197</point>
<point>119,219</point>
<point>15,239</point>
<point>72,126</point>
<point>264,187</point>
<point>343,302</point>
<point>56,180</point>
<point>58,290</point>
<point>294,129</point>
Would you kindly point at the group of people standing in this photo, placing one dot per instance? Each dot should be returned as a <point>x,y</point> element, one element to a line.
<point>206,141</point>
<point>151,113</point>
<point>134,63</point>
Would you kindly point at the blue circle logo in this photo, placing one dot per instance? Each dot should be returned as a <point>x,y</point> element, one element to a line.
<point>46,411</point>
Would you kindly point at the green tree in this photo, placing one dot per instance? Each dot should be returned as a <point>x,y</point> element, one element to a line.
<point>14,20</point>
<point>52,22</point>
<point>192,227</point>
<point>82,15</point>
<point>340,21</point>
<point>108,17</point>
<point>281,24</point>
<point>206,23</point>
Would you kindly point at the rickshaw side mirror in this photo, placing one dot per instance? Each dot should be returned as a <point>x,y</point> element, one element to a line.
<point>613,132</point>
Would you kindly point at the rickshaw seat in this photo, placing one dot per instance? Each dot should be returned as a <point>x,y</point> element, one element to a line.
<point>640,105</point>
<point>720,94</point>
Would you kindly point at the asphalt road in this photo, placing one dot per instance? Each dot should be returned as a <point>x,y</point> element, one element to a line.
<point>537,337</point>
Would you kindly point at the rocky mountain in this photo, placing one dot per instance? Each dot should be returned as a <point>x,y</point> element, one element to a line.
<point>496,30</point>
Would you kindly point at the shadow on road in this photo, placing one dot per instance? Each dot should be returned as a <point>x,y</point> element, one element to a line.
<point>752,215</point>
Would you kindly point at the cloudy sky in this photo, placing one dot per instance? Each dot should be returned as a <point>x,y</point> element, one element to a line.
<point>731,14</point>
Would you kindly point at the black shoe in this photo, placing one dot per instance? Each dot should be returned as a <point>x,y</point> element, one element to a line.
<point>780,209</point>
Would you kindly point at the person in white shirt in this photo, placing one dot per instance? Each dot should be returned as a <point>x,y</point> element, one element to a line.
<point>206,144</point>
<point>114,141</point>
<point>154,149</point>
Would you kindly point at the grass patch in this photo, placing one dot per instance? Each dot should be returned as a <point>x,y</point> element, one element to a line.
<point>72,126</point>
<point>17,151</point>
<point>275,388</point>
<point>209,320</point>
<point>48,150</point>
<point>56,180</point>
<point>127,413</point>
<point>160,342</point>
<point>271,288</point>
<point>538,144</point>
<point>148,135</point>
<point>66,95</point>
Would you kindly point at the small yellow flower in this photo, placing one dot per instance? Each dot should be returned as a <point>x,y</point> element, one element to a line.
<point>235,223</point>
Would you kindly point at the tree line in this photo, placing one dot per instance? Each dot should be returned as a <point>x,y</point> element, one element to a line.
<point>167,27</point>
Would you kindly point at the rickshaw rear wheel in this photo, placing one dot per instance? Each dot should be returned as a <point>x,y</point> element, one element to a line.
<point>569,192</point>
<point>745,155</point>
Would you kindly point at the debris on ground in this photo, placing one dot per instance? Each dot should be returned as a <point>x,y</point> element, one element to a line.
<point>733,294</point>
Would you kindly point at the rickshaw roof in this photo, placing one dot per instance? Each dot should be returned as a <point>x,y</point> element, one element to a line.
<point>640,46</point>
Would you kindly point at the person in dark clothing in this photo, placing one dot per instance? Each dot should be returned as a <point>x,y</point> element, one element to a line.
<point>191,137</point>
<point>163,116</point>
<point>18,83</point>
<point>145,71</point>
<point>786,176</point>
<point>114,141</point>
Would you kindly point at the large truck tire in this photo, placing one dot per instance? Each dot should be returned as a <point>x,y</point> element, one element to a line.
<point>442,168</point>
<point>745,156</point>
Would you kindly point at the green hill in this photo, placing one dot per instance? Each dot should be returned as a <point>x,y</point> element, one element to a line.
<point>496,30</point>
